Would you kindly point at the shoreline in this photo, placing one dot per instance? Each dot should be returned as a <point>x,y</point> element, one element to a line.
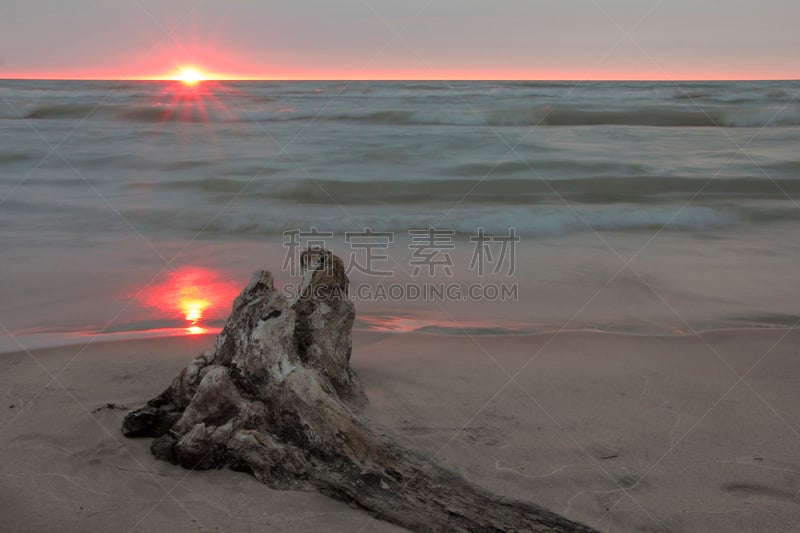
<point>10,345</point>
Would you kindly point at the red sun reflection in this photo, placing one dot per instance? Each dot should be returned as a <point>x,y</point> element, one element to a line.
<point>195,294</point>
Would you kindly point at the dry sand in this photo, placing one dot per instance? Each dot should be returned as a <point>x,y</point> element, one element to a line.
<point>622,432</point>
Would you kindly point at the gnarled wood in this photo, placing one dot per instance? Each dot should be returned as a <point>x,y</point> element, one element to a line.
<point>278,398</point>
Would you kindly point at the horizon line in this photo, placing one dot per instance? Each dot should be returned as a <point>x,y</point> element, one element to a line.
<point>274,79</point>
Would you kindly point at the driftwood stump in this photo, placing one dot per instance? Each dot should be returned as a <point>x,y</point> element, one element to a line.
<point>277,398</point>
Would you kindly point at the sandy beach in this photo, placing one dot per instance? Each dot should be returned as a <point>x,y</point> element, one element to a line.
<point>621,432</point>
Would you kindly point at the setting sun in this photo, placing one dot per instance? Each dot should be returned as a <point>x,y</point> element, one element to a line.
<point>190,76</point>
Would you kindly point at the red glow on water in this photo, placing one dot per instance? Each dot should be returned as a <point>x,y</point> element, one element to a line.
<point>192,293</point>
<point>191,95</point>
<point>188,99</point>
<point>429,321</point>
<point>394,323</point>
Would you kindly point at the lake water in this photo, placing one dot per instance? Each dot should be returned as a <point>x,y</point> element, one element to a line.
<point>141,207</point>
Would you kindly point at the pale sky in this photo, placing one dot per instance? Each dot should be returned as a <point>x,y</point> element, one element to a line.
<point>419,39</point>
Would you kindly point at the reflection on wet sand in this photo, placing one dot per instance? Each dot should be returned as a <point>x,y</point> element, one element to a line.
<point>196,294</point>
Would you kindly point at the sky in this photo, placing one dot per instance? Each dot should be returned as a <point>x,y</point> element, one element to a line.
<point>401,39</point>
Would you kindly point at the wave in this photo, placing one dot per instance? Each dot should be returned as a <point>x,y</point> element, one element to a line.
<point>12,157</point>
<point>62,111</point>
<point>212,185</point>
<point>540,221</point>
<point>254,177</point>
<point>426,87</point>
<point>633,190</point>
<point>253,220</point>
<point>545,168</point>
<point>789,167</point>
<point>763,117</point>
<point>565,116</point>
<point>549,116</point>
<point>644,117</point>
<point>643,190</point>
<point>185,112</point>
<point>70,180</point>
<point>692,95</point>
<point>177,113</point>
<point>393,117</point>
<point>722,94</point>
<point>632,117</point>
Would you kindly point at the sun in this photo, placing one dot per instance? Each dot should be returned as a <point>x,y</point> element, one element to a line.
<point>190,76</point>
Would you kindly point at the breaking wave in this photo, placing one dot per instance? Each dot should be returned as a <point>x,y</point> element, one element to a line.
<point>62,111</point>
<point>633,190</point>
<point>152,113</point>
<point>16,157</point>
<point>551,116</point>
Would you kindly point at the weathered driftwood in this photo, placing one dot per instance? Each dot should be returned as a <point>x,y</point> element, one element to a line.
<point>278,398</point>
